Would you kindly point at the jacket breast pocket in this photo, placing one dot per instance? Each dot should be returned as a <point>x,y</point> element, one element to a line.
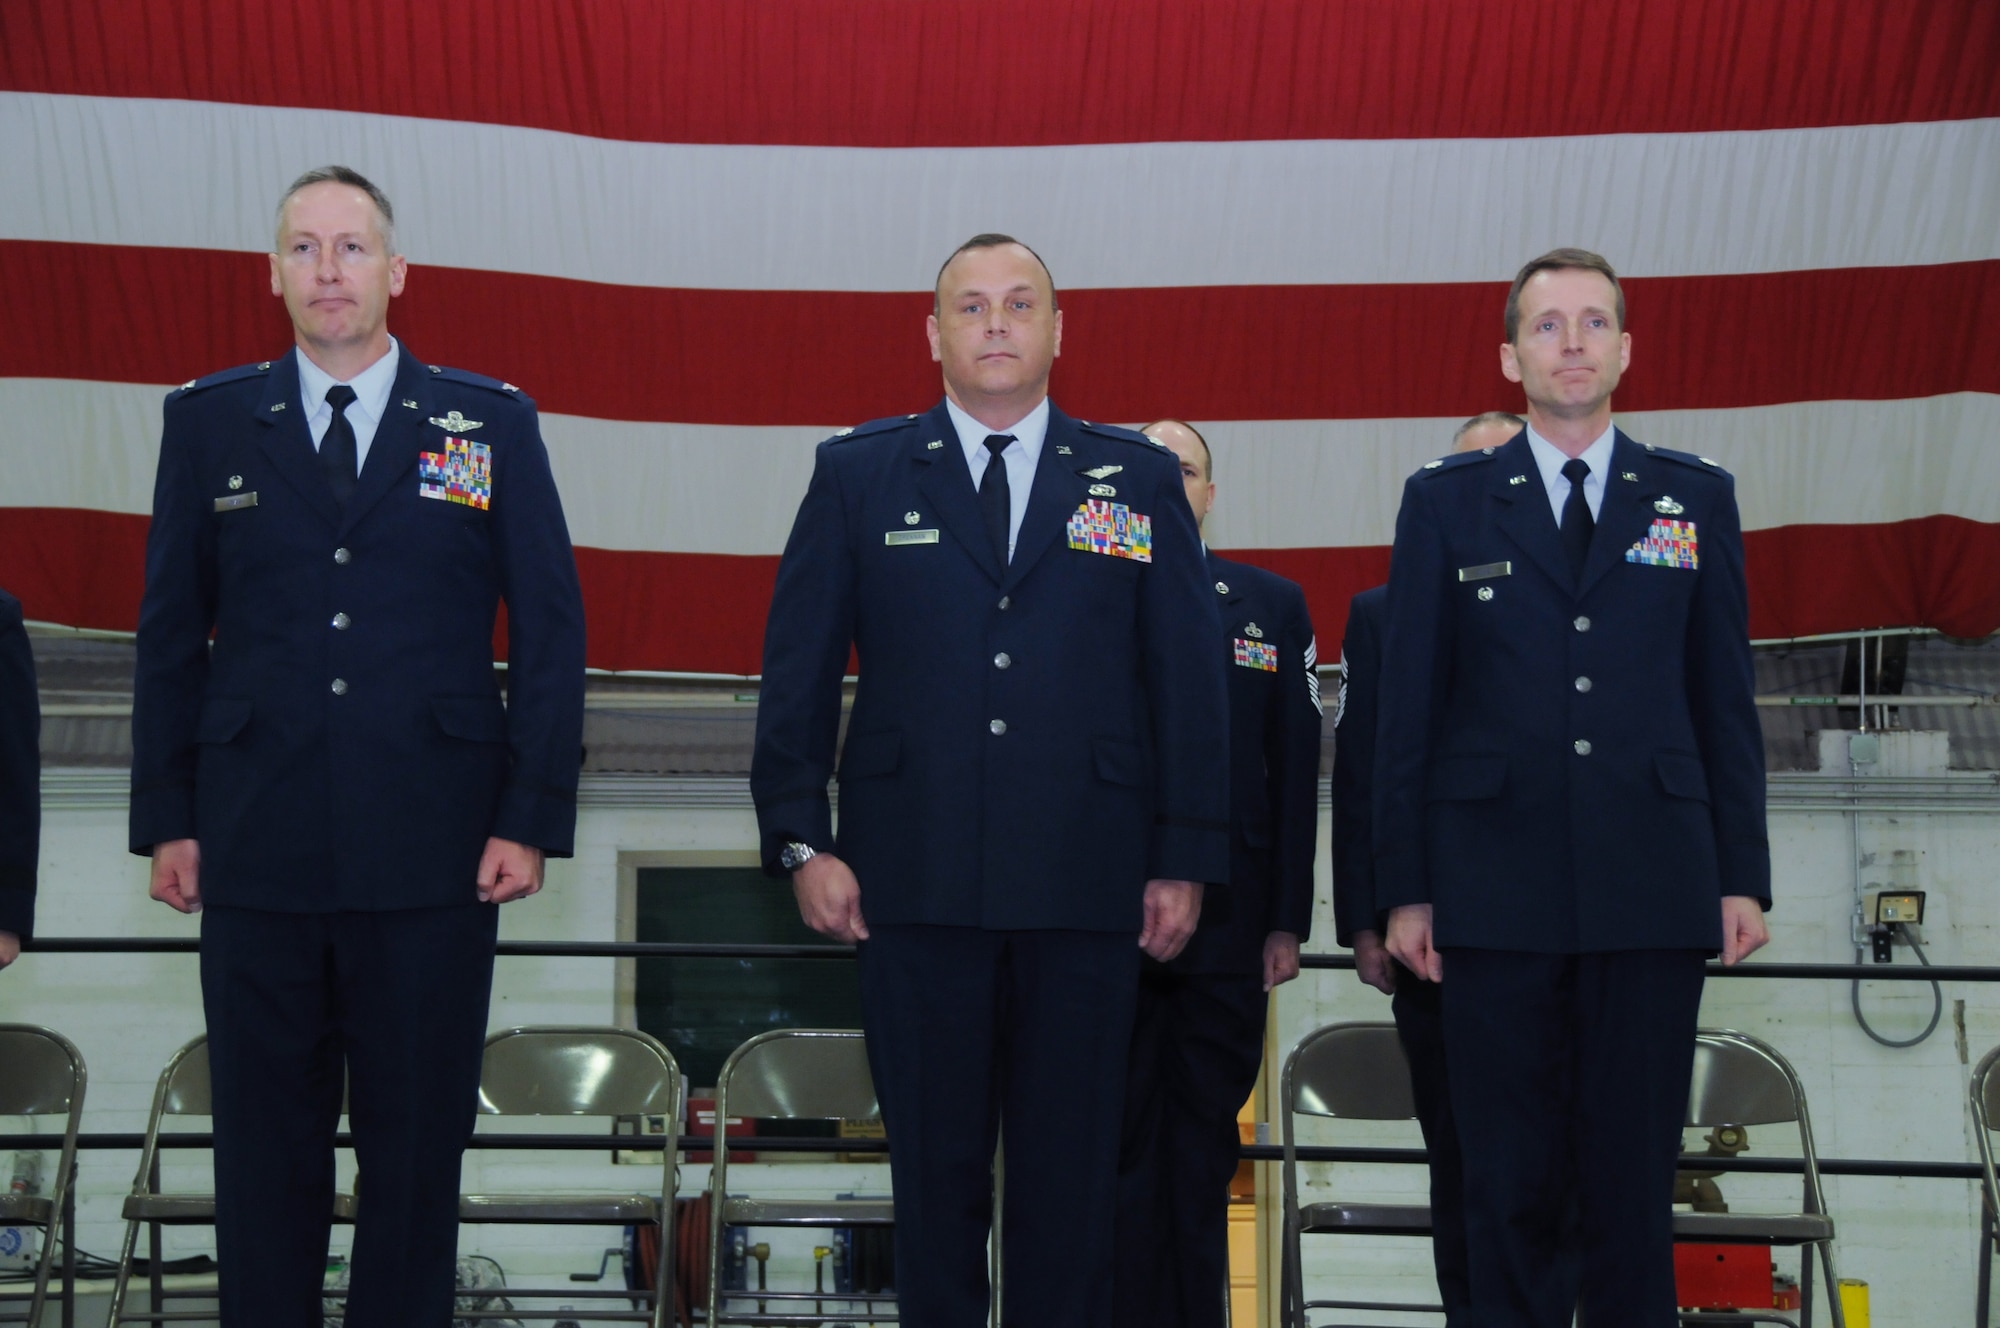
<point>870,754</point>
<point>1466,778</point>
<point>1682,775</point>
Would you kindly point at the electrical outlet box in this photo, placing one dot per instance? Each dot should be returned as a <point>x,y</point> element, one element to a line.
<point>1891,907</point>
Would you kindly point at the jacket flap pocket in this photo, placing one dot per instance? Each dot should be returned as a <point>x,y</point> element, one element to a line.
<point>222,718</point>
<point>871,754</point>
<point>1121,762</point>
<point>1682,775</point>
<point>473,718</point>
<point>1467,778</point>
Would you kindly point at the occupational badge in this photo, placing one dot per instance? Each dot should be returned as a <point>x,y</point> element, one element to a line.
<point>453,422</point>
<point>1253,631</point>
<point>1667,544</point>
<point>1666,506</point>
<point>1111,528</point>
<point>1103,491</point>
<point>1103,472</point>
<point>462,473</point>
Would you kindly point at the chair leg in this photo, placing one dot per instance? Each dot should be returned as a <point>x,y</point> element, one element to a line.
<point>1805,1286</point>
<point>1833,1302</point>
<point>69,1251</point>
<point>1984,1296</point>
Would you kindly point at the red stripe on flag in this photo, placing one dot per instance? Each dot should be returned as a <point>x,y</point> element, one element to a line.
<point>1202,353</point>
<point>890,73</point>
<point>705,612</point>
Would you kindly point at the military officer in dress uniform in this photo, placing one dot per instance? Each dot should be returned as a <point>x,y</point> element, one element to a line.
<point>1198,1037</point>
<point>334,781</point>
<point>1416,1001</point>
<point>1569,805</point>
<point>20,782</point>
<point>1034,778</point>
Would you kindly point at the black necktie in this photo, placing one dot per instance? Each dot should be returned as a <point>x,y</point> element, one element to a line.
<point>1577,523</point>
<point>337,450</point>
<point>996,500</point>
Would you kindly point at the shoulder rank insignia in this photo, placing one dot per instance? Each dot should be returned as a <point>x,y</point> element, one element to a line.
<point>453,422</point>
<point>842,433</point>
<point>1103,472</point>
<point>1433,465</point>
<point>1710,461</point>
<point>1666,506</point>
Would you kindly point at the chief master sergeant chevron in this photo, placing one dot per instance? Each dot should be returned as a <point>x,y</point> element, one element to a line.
<point>1569,805</point>
<point>1035,775</point>
<point>334,781</point>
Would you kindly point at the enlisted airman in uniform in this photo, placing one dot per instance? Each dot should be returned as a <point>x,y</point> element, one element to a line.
<point>323,765</point>
<point>1569,805</point>
<point>1033,787</point>
<point>1198,1037</point>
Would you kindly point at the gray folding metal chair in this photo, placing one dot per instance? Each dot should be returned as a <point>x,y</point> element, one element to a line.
<point>587,1071</point>
<point>1985,1092</point>
<point>1741,1080</point>
<point>42,1074</point>
<point>1350,1072</point>
<point>183,1091</point>
<point>790,1074</point>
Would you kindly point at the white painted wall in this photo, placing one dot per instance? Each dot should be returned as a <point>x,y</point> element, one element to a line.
<point>1913,1241</point>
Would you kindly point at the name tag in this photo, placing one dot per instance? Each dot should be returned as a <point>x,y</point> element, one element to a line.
<point>1485,571</point>
<point>235,500</point>
<point>895,537</point>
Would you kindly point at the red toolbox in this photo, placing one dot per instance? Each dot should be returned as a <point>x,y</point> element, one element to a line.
<point>1723,1277</point>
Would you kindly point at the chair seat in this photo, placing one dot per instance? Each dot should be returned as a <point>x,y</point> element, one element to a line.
<point>611,1209</point>
<point>33,1209</point>
<point>1754,1228</point>
<point>809,1212</point>
<point>171,1208</point>
<point>1367,1219</point>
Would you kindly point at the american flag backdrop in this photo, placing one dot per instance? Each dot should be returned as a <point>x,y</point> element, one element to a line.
<point>701,234</point>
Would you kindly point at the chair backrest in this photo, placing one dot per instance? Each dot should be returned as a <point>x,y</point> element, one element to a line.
<point>577,1072</point>
<point>1353,1071</point>
<point>800,1074</point>
<point>183,1089</point>
<point>1986,1091</point>
<point>1739,1080</point>
<point>41,1072</point>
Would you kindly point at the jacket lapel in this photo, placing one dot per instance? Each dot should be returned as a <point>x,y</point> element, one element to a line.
<point>392,455</point>
<point>288,441</point>
<point>1051,498</point>
<point>1625,515</point>
<point>1524,509</point>
<point>946,482</point>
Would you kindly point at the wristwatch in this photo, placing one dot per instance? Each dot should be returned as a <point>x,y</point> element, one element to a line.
<point>794,855</point>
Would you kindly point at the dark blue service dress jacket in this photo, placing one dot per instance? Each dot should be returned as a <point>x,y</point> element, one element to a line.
<point>1354,717</point>
<point>1029,744</point>
<point>343,744</point>
<point>20,773</point>
<point>1569,765</point>
<point>1269,654</point>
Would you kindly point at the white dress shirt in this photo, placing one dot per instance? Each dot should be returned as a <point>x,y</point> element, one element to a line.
<point>371,398</point>
<point>1021,457</point>
<point>1550,459</point>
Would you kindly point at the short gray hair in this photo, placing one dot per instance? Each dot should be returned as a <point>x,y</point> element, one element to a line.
<point>346,175</point>
<point>1506,417</point>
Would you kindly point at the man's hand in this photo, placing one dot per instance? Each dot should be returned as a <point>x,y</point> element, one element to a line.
<point>10,948</point>
<point>508,870</point>
<point>177,874</point>
<point>830,898</point>
<point>1743,929</point>
<point>1373,963</point>
<point>1410,941</point>
<point>1172,909</point>
<point>1281,958</point>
